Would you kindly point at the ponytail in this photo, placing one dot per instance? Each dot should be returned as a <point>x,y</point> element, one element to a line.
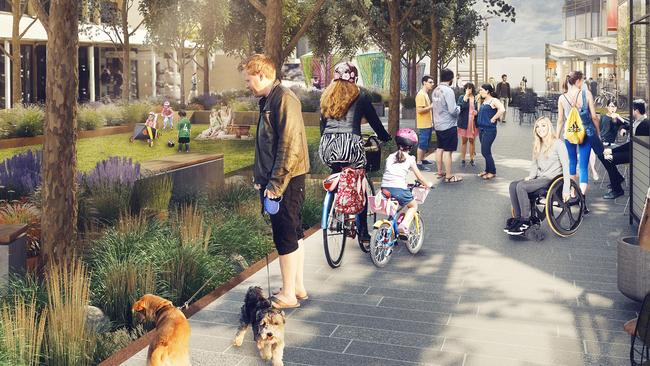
<point>490,89</point>
<point>399,157</point>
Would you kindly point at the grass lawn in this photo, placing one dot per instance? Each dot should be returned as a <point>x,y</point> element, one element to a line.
<point>237,154</point>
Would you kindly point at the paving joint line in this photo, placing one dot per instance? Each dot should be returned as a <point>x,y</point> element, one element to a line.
<point>379,302</point>
<point>443,343</point>
<point>346,347</point>
<point>334,331</point>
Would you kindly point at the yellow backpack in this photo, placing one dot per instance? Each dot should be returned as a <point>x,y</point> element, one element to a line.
<point>574,130</point>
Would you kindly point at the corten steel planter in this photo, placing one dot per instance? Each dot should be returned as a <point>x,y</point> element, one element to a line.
<point>13,250</point>
<point>633,269</point>
<point>36,140</point>
<point>200,117</point>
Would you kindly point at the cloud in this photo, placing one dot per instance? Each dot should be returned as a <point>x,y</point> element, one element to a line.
<point>537,23</point>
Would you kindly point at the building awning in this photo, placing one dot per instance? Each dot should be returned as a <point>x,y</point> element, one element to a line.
<point>585,49</point>
<point>88,33</point>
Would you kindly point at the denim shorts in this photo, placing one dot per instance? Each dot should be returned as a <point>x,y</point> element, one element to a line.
<point>403,196</point>
<point>424,138</point>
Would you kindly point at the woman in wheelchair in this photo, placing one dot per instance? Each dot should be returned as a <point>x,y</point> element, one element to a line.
<point>550,159</point>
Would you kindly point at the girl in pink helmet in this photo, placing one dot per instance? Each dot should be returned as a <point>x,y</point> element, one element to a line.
<point>168,115</point>
<point>398,166</point>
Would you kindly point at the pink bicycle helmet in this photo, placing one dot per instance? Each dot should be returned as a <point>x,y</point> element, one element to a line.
<point>406,137</point>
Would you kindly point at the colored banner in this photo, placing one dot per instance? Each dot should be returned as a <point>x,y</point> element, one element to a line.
<point>612,15</point>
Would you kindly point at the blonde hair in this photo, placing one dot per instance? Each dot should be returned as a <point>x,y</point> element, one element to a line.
<point>337,99</point>
<point>259,64</point>
<point>543,146</point>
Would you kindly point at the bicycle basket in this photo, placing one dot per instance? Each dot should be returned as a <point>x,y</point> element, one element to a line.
<point>373,154</point>
<point>379,204</point>
<point>420,194</point>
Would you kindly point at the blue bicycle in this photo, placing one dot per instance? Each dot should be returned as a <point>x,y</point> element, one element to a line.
<point>386,236</point>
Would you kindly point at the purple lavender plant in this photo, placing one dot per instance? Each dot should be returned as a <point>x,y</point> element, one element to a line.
<point>112,171</point>
<point>22,173</point>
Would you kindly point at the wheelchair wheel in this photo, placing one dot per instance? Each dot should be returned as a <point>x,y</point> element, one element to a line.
<point>564,218</point>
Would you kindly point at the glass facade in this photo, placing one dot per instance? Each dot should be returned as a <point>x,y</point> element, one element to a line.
<point>584,19</point>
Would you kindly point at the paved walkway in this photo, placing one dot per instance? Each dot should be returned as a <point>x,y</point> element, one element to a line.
<point>470,297</point>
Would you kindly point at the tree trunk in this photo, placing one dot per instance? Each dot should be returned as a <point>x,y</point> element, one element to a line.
<point>180,59</point>
<point>126,55</point>
<point>59,218</point>
<point>413,75</point>
<point>16,81</point>
<point>433,65</point>
<point>395,56</point>
<point>274,32</point>
<point>206,72</point>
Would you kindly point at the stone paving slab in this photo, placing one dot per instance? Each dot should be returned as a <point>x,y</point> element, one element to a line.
<point>472,296</point>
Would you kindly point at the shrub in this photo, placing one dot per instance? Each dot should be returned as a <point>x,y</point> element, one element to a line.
<point>108,343</point>
<point>29,121</point>
<point>229,237</point>
<point>185,269</point>
<point>89,118</point>
<point>153,194</point>
<point>108,187</point>
<point>111,114</point>
<point>207,101</point>
<point>24,213</point>
<point>70,341</point>
<point>194,107</point>
<point>228,198</point>
<point>191,227</point>
<point>374,96</point>
<point>310,99</point>
<point>316,165</point>
<point>136,112</point>
<point>312,207</point>
<point>23,328</point>
<point>244,106</point>
<point>22,173</point>
<point>408,102</point>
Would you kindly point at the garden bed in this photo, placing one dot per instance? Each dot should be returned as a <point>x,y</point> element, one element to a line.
<point>37,140</point>
<point>251,118</point>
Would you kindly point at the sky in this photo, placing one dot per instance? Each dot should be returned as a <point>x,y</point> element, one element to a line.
<point>538,22</point>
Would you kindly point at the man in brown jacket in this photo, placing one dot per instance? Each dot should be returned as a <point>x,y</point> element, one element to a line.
<point>281,162</point>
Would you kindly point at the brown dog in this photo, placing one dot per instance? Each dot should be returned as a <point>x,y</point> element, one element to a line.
<point>170,345</point>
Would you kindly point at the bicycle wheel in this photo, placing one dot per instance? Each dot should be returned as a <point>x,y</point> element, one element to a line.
<point>371,217</point>
<point>334,236</point>
<point>381,245</point>
<point>416,238</point>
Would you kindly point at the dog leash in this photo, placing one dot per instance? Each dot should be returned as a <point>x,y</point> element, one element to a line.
<point>268,276</point>
<point>186,304</point>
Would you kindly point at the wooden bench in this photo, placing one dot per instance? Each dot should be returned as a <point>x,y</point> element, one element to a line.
<point>192,173</point>
<point>13,251</point>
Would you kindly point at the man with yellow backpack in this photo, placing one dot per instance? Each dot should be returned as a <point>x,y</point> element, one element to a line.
<point>579,126</point>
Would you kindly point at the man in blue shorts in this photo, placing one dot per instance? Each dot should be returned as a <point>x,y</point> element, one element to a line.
<point>423,121</point>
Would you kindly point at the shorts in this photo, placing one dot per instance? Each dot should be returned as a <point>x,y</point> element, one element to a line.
<point>447,139</point>
<point>183,140</point>
<point>424,138</point>
<point>287,223</point>
<point>403,196</point>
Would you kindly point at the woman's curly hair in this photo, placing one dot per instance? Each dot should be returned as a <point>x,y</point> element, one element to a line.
<point>337,99</point>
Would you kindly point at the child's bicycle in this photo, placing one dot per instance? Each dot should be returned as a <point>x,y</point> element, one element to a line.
<point>386,237</point>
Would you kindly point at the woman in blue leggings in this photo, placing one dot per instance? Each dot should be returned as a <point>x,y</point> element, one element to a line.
<point>576,95</point>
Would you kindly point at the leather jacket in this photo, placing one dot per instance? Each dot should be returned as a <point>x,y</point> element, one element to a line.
<point>281,143</point>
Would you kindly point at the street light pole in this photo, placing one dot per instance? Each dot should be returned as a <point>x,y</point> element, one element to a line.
<point>486,51</point>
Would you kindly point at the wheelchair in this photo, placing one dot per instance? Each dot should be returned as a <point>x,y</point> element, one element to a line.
<point>564,218</point>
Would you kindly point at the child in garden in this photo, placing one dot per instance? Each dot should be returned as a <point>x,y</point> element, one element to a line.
<point>168,115</point>
<point>184,130</point>
<point>398,165</point>
<point>151,128</point>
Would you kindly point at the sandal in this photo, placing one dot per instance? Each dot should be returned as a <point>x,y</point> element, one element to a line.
<point>279,304</point>
<point>481,174</point>
<point>453,179</point>
<point>488,176</point>
<point>298,297</point>
<point>440,175</point>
